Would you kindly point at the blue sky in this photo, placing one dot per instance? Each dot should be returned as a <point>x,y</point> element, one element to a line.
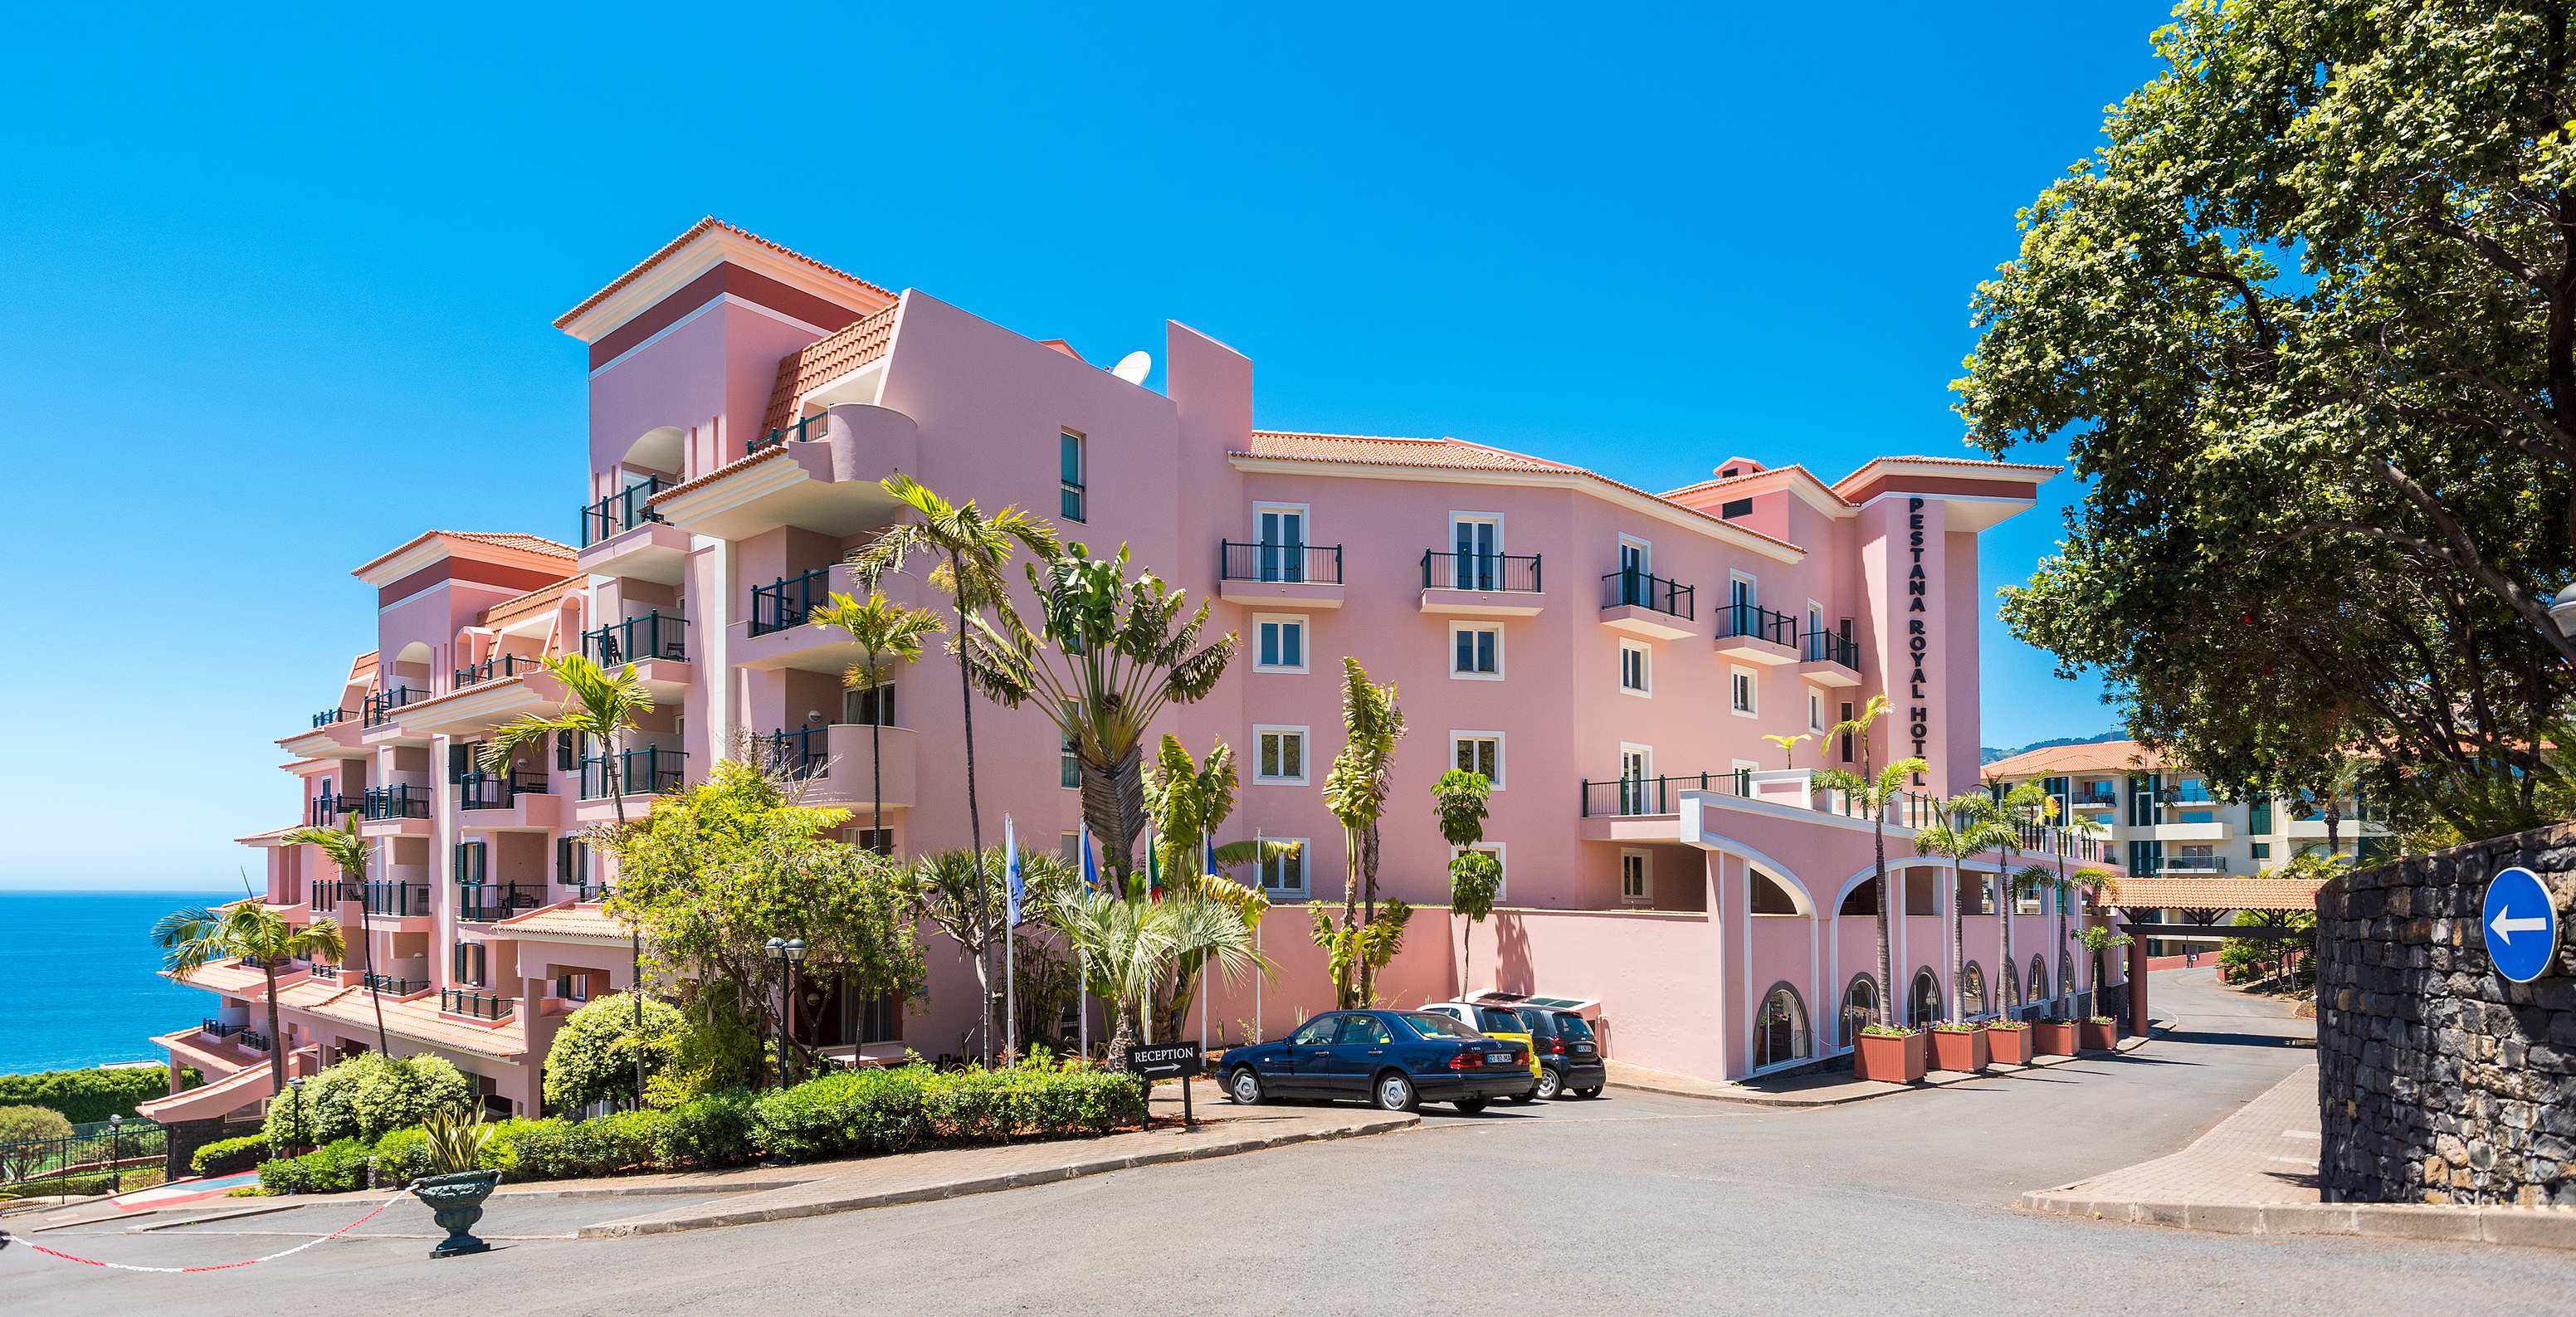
<point>279,287</point>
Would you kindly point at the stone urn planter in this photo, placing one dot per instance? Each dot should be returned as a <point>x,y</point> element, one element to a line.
<point>2098,1035</point>
<point>2053,1037</point>
<point>456,1203</point>
<point>2008,1043</point>
<point>1892,1058</point>
<point>1959,1049</point>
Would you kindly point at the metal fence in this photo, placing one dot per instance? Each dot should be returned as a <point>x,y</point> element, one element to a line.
<point>92,1149</point>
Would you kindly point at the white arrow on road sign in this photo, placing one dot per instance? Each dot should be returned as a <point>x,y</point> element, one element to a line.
<point>2506,928</point>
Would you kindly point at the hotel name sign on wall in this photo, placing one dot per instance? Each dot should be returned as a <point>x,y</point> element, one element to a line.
<point>1918,639</point>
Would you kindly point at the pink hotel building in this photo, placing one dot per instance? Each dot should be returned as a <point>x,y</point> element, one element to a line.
<point>1612,658</point>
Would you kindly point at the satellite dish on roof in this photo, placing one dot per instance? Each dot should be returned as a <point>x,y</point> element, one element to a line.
<point>1133,367</point>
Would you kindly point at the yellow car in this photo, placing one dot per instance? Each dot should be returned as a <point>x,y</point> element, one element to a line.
<point>1496,1022</point>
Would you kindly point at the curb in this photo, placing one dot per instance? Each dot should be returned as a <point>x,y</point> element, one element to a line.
<point>1776,1101</point>
<point>2526,1227</point>
<point>202,1218</point>
<point>986,1184</point>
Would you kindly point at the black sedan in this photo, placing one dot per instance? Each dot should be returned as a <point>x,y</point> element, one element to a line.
<point>1396,1060</point>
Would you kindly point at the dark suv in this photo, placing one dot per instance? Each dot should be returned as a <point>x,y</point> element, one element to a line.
<point>1568,1053</point>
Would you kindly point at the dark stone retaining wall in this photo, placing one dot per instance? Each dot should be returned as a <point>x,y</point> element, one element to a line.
<point>186,1136</point>
<point>2438,1080</point>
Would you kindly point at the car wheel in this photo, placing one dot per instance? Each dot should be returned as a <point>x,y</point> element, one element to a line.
<point>1592,1092</point>
<point>1549,1084</point>
<point>1470,1106</point>
<point>1244,1087</point>
<point>1395,1093</point>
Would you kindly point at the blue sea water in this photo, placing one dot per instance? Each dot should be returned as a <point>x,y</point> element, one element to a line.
<point>77,985</point>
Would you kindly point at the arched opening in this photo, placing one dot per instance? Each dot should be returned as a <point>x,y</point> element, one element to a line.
<point>1925,1006</point>
<point>2012,987</point>
<point>2039,979</point>
<point>2066,985</point>
<point>412,661</point>
<point>1972,989</point>
<point>1861,900</point>
<point>1780,1030</point>
<point>1768,896</point>
<point>655,451</point>
<point>1860,1006</point>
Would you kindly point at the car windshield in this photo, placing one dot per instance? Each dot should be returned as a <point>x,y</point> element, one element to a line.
<point>1439,1026</point>
<point>1495,1021</point>
<point>1572,1026</point>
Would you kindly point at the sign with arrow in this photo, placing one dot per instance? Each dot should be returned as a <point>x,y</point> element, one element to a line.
<point>2521,925</point>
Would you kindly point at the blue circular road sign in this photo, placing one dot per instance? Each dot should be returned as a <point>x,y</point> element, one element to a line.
<point>2521,925</point>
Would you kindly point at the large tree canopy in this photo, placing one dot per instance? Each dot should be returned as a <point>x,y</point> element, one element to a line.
<point>2308,325</point>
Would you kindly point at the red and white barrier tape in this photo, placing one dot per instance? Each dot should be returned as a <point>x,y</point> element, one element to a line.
<point>5,1238</point>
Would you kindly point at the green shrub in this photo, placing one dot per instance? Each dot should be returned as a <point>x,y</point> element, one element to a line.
<point>593,1056</point>
<point>78,1186</point>
<point>365,1097</point>
<point>225,1156</point>
<point>335,1168</point>
<point>85,1096</point>
<point>867,1111</point>
<point>720,1129</point>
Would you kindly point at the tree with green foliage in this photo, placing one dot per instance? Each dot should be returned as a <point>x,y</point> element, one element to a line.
<point>969,549</point>
<point>23,1135</point>
<point>593,1057</point>
<point>1188,803</point>
<point>88,1096</point>
<point>364,1096</point>
<point>347,852</point>
<point>1355,791</point>
<point>1474,876</point>
<point>1970,824</point>
<point>2307,322</point>
<point>248,930</point>
<point>1874,794</point>
<point>599,705</point>
<point>948,889</point>
<point>2024,810</point>
<point>884,630</point>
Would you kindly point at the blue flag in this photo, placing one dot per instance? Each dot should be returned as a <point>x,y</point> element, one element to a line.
<point>1090,865</point>
<point>1011,883</point>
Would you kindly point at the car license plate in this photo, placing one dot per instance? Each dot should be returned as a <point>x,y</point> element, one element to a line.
<point>1498,1058</point>
<point>1583,1049</point>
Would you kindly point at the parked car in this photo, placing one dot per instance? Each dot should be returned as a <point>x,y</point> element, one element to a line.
<point>1496,1022</point>
<point>1395,1060</point>
<point>1568,1052</point>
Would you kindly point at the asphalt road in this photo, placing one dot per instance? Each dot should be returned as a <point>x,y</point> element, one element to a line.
<point>1631,1202</point>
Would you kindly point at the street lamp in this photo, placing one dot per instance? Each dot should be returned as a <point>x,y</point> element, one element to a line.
<point>2562,610</point>
<point>789,952</point>
<point>296,1085</point>
<point>635,932</point>
<point>115,1153</point>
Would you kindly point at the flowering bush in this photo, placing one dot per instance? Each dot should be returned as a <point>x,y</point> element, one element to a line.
<point>1888,1031</point>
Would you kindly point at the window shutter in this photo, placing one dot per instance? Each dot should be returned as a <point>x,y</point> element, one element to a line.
<point>564,752</point>
<point>563,861</point>
<point>457,756</point>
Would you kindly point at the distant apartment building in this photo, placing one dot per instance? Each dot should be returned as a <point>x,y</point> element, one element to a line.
<point>1614,660</point>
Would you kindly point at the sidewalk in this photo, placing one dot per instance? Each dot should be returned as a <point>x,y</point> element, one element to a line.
<point>2256,1174</point>
<point>1830,1089</point>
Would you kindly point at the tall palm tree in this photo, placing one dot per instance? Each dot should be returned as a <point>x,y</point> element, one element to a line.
<point>1874,794</point>
<point>1355,791</point>
<point>2086,827</point>
<point>1971,823</point>
<point>195,935</point>
<point>348,853</point>
<point>970,549</point>
<point>1129,945</point>
<point>884,629</point>
<point>2024,809</point>
<point>598,705</point>
<point>1189,802</point>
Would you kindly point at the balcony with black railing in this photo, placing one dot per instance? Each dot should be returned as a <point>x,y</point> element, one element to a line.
<point>1746,621</point>
<point>1828,647</point>
<point>786,601</point>
<point>1485,573</point>
<point>386,985</point>
<point>325,897</point>
<point>650,770</point>
<point>497,668</point>
<point>476,1004</point>
<point>325,811</point>
<point>621,512</point>
<point>329,716</point>
<point>1628,589</point>
<point>808,430</point>
<point>398,900</point>
<point>499,790</point>
<point>588,893</point>
<point>482,903</point>
<point>655,635</point>
<point>394,802</point>
<point>1291,564</point>
<point>326,973</point>
<point>801,754</point>
<point>379,708</point>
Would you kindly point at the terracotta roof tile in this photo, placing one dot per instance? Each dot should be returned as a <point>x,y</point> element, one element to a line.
<point>416,1018</point>
<point>513,540</point>
<point>2098,757</point>
<point>533,602</point>
<point>826,359</point>
<point>1944,461</point>
<point>675,244</point>
<point>2166,893</point>
<point>675,491</point>
<point>567,920</point>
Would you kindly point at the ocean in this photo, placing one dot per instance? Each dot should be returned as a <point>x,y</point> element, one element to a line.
<point>76,975</point>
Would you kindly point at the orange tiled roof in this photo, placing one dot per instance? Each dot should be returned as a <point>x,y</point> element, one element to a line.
<point>513,540</point>
<point>533,602</point>
<point>1381,450</point>
<point>1943,461</point>
<point>567,920</point>
<point>2166,893</point>
<point>826,359</point>
<point>702,226</point>
<point>720,473</point>
<point>417,1018</point>
<point>2099,757</point>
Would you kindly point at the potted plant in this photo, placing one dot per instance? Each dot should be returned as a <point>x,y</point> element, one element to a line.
<point>1890,1053</point>
<point>454,1189</point>
<point>2098,1033</point>
<point>2053,1037</point>
<point>1958,1045</point>
<point>2008,1041</point>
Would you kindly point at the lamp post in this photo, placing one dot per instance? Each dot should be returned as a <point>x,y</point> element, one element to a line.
<point>635,932</point>
<point>296,1085</point>
<point>115,1157</point>
<point>788,952</point>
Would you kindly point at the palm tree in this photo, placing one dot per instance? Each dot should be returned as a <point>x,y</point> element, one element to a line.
<point>2341,783</point>
<point>1874,795</point>
<point>348,852</point>
<point>1105,659</point>
<point>883,628</point>
<point>2086,827</point>
<point>2024,809</point>
<point>598,705</point>
<point>970,548</point>
<point>1189,802</point>
<point>1355,791</point>
<point>1971,823</point>
<point>195,935</point>
<point>1129,945</point>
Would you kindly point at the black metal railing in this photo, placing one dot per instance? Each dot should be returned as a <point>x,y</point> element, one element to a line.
<point>394,802</point>
<point>805,431</point>
<point>2105,799</point>
<point>620,512</point>
<point>1640,590</point>
<point>1626,796</point>
<point>803,753</point>
<point>785,602</point>
<point>330,716</point>
<point>1758,623</point>
<point>398,900</point>
<point>648,771</point>
<point>588,893</point>
<point>481,903</point>
<point>219,1029</point>
<point>326,897</point>
<point>326,973</point>
<point>252,1039</point>
<point>1312,564</point>
<point>389,986</point>
<point>1828,647</point>
<point>323,811</point>
<point>92,1148</point>
<point>496,668</point>
<point>1480,571</point>
<point>380,707</point>
<point>498,790</point>
<point>476,1005</point>
<point>655,635</point>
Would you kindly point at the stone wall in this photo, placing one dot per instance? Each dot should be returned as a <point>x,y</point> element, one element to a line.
<point>2438,1080</point>
<point>186,1136</point>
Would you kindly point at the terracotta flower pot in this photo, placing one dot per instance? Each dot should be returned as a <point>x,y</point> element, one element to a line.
<point>2053,1038</point>
<point>1892,1058</point>
<point>2009,1044</point>
<point>1963,1050</point>
<point>2096,1037</point>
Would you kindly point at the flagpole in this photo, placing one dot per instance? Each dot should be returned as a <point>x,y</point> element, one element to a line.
<point>1010,922</point>
<point>1257,863</point>
<point>1081,958</point>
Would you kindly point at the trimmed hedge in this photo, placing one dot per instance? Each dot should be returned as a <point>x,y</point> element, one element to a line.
<point>225,1156</point>
<point>335,1168</point>
<point>84,1096</point>
<point>81,1186</point>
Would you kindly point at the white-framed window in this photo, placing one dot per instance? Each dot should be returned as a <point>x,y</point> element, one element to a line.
<point>1068,761</point>
<point>1281,643</point>
<point>1478,752</point>
<point>873,705</point>
<point>1281,550</point>
<point>1636,556</point>
<point>1285,875</point>
<point>1495,849</point>
<point>1815,618</point>
<point>1475,552</point>
<point>1476,651</point>
<point>1279,755</point>
<point>1742,589</point>
<point>1743,692</point>
<point>1815,710</point>
<point>1636,762</point>
<point>1637,877</point>
<point>1636,668</point>
<point>1074,505</point>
